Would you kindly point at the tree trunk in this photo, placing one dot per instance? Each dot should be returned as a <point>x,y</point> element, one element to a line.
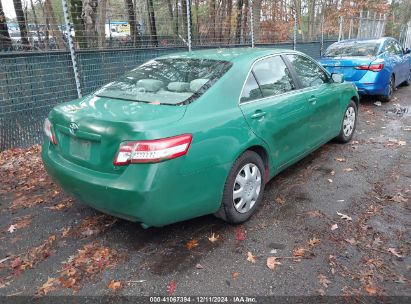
<point>184,17</point>
<point>101,23</point>
<point>212,15</point>
<point>5,40</point>
<point>36,23</point>
<point>131,20</point>
<point>244,29</point>
<point>238,19</point>
<point>21,20</point>
<point>76,7</point>
<point>297,7</point>
<point>55,31</point>
<point>176,20</point>
<point>256,20</point>
<point>89,15</point>
<point>228,20</point>
<point>152,22</point>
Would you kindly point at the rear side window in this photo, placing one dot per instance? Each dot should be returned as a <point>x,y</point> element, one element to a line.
<point>309,72</point>
<point>273,76</point>
<point>251,89</point>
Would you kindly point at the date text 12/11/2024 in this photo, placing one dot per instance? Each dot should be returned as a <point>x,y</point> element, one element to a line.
<point>203,299</point>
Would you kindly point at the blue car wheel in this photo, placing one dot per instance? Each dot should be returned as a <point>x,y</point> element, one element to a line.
<point>391,88</point>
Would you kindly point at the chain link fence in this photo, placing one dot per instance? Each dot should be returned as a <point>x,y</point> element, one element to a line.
<point>60,50</point>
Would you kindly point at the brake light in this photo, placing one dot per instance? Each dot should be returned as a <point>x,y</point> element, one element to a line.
<point>152,151</point>
<point>372,67</point>
<point>49,133</point>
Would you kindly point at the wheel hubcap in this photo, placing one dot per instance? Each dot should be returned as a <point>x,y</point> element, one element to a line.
<point>349,121</point>
<point>247,186</point>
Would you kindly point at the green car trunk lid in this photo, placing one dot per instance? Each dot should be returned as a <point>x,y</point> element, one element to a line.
<point>90,130</point>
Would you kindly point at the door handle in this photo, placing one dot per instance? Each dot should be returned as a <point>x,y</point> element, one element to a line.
<point>312,100</point>
<point>258,114</point>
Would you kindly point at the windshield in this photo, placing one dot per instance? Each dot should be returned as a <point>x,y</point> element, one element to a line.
<point>353,49</point>
<point>167,81</point>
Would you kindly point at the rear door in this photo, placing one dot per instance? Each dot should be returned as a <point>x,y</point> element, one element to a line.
<point>275,110</point>
<point>395,58</point>
<point>403,62</point>
<point>323,99</point>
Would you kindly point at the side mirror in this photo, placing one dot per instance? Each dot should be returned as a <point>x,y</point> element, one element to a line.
<point>407,51</point>
<point>337,78</point>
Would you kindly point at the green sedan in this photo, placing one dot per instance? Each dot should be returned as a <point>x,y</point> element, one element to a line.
<point>196,133</point>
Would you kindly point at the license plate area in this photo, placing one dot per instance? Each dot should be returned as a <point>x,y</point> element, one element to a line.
<point>80,148</point>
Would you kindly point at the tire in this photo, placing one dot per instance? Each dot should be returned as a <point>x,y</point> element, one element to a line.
<point>408,81</point>
<point>349,123</point>
<point>233,210</point>
<point>391,88</point>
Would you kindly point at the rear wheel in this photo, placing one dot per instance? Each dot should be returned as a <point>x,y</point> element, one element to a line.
<point>408,81</point>
<point>243,189</point>
<point>349,123</point>
<point>391,88</point>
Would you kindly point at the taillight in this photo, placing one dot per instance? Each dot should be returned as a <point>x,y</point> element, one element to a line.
<point>152,151</point>
<point>49,133</point>
<point>372,67</point>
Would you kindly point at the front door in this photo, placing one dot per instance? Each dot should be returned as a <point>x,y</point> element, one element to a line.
<point>275,110</point>
<point>322,98</point>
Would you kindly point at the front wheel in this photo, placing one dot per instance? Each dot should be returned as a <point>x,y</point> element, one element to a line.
<point>349,123</point>
<point>243,189</point>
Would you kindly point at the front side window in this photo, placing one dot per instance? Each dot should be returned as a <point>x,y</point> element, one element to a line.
<point>169,81</point>
<point>273,76</point>
<point>309,72</point>
<point>398,48</point>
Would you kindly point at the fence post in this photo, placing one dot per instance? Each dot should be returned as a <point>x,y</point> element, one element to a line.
<point>340,32</point>
<point>71,47</point>
<point>252,23</point>
<point>188,4</point>
<point>359,26</point>
<point>295,31</point>
<point>322,36</point>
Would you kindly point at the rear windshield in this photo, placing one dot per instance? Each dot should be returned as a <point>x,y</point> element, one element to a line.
<point>353,49</point>
<point>169,81</point>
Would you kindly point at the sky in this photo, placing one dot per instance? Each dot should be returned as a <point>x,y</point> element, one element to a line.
<point>8,8</point>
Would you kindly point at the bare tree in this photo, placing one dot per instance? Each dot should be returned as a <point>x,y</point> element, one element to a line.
<point>152,22</point>
<point>101,23</point>
<point>76,8</point>
<point>132,21</point>
<point>21,20</point>
<point>54,29</point>
<point>238,21</point>
<point>36,23</point>
<point>5,40</point>
<point>256,20</point>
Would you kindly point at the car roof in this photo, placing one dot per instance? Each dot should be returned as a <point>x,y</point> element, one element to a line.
<point>230,54</point>
<point>376,40</point>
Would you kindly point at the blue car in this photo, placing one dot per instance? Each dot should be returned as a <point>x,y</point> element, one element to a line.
<point>376,66</point>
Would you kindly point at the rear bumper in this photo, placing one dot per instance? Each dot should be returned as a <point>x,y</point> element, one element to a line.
<point>373,83</point>
<point>370,88</point>
<point>153,194</point>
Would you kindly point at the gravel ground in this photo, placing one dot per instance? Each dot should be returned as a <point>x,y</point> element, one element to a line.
<point>60,247</point>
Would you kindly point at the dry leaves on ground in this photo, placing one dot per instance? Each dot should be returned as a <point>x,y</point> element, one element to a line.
<point>191,244</point>
<point>251,258</point>
<point>115,285</point>
<point>272,262</point>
